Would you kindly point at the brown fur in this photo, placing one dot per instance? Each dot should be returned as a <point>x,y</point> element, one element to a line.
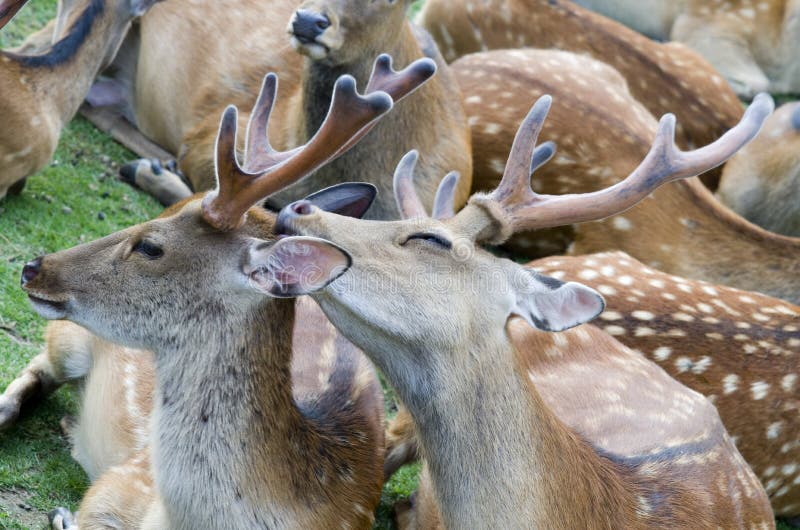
<point>663,77</point>
<point>681,229</point>
<point>762,182</point>
<point>330,407</point>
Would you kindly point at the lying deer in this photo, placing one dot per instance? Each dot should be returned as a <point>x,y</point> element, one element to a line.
<point>739,349</point>
<point>503,422</point>
<point>682,230</point>
<point>752,43</point>
<point>172,108</point>
<point>229,443</point>
<point>762,182</point>
<point>36,100</point>
<point>663,77</point>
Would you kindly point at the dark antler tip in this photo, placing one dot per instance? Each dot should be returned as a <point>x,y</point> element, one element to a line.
<point>346,83</point>
<point>424,68</point>
<point>384,60</point>
<point>379,102</point>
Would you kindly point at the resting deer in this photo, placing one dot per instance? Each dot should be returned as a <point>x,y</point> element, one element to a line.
<point>663,77</point>
<point>229,443</point>
<point>682,230</point>
<point>36,101</point>
<point>505,430</point>
<point>173,108</point>
<point>752,43</point>
<point>762,182</point>
<point>740,349</point>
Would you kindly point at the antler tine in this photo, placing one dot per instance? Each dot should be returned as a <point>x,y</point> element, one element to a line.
<point>404,192</point>
<point>663,163</point>
<point>9,8</point>
<point>444,202</point>
<point>515,186</point>
<point>542,155</point>
<point>399,84</point>
<point>258,152</point>
<point>238,190</point>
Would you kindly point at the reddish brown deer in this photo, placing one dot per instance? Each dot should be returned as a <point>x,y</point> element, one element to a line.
<point>504,430</point>
<point>762,182</point>
<point>36,101</point>
<point>178,90</point>
<point>739,349</point>
<point>228,442</point>
<point>751,42</point>
<point>663,77</point>
<point>682,230</point>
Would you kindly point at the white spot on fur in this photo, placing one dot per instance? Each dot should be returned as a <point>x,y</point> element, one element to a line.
<point>759,389</point>
<point>730,384</point>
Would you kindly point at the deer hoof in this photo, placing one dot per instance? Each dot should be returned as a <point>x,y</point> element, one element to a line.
<point>9,412</point>
<point>62,519</point>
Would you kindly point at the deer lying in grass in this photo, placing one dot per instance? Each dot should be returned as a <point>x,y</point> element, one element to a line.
<point>228,444</point>
<point>739,349</point>
<point>663,77</point>
<point>753,43</point>
<point>172,108</point>
<point>682,230</point>
<point>762,182</point>
<point>505,431</point>
<point>42,90</point>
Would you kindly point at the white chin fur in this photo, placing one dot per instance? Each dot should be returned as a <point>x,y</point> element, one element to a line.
<point>314,51</point>
<point>47,311</point>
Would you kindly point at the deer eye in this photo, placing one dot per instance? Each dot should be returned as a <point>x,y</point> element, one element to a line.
<point>431,238</point>
<point>148,249</point>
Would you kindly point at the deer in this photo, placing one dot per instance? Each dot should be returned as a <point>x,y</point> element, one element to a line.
<point>682,230</point>
<point>36,102</point>
<point>663,77</point>
<point>505,431</point>
<point>739,349</point>
<point>310,44</point>
<point>751,43</point>
<point>762,182</point>
<point>248,437</point>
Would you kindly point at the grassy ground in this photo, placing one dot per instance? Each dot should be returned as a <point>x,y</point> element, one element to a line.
<point>76,199</point>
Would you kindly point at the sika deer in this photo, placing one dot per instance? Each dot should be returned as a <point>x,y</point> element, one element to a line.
<point>37,101</point>
<point>752,43</point>
<point>229,444</point>
<point>762,181</point>
<point>505,430</point>
<point>663,77</point>
<point>176,110</point>
<point>682,230</point>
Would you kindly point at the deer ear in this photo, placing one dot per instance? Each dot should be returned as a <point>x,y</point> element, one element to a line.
<point>552,305</point>
<point>140,7</point>
<point>294,266</point>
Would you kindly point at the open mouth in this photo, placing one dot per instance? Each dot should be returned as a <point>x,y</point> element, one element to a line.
<point>48,308</point>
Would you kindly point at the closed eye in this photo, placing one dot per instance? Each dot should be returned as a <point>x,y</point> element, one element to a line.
<point>431,238</point>
<point>148,249</point>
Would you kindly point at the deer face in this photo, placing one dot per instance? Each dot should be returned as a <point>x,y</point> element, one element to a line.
<point>155,284</point>
<point>341,31</point>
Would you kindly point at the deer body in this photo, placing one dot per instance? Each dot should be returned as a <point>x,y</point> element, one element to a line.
<point>663,77</point>
<point>36,102</point>
<point>750,43</point>
<point>681,230</point>
<point>171,106</point>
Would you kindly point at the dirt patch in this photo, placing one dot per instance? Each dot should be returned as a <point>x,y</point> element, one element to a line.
<point>16,503</point>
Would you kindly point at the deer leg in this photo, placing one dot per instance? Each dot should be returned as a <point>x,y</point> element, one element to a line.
<point>167,186</point>
<point>37,379</point>
<point>401,443</point>
<point>62,519</point>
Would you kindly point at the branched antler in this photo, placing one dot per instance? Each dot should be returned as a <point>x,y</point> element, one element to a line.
<point>522,209</point>
<point>9,8</point>
<point>408,201</point>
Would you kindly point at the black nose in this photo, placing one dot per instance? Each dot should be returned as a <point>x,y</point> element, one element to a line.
<point>31,270</point>
<point>307,25</point>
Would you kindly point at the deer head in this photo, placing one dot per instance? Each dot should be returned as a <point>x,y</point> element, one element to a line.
<point>340,31</point>
<point>443,286</point>
<point>208,260</point>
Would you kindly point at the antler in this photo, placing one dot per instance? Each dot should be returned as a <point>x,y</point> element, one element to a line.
<point>408,201</point>
<point>266,170</point>
<point>517,207</point>
<point>9,8</point>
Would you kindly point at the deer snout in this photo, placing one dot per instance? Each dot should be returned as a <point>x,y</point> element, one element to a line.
<point>287,216</point>
<point>31,270</point>
<point>308,25</point>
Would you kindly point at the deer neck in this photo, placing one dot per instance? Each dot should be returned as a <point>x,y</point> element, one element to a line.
<point>487,435</point>
<point>78,56</point>
<point>223,419</point>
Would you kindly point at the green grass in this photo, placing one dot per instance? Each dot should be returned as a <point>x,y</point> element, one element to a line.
<point>76,199</point>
